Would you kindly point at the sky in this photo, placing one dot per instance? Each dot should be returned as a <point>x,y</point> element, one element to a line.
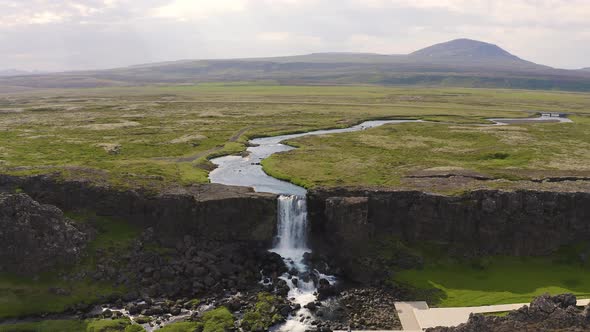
<point>58,35</point>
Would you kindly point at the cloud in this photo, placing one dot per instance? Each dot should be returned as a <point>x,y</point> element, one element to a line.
<point>86,34</point>
<point>189,9</point>
<point>543,12</point>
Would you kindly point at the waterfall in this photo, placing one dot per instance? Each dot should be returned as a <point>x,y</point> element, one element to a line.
<point>291,244</point>
<point>291,241</point>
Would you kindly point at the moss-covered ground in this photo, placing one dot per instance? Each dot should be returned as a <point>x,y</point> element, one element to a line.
<point>217,320</point>
<point>263,315</point>
<point>90,325</point>
<point>22,296</point>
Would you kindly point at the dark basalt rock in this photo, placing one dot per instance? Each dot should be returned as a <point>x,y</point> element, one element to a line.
<point>325,289</point>
<point>36,237</point>
<point>211,211</point>
<point>545,314</point>
<point>361,309</point>
<point>346,225</point>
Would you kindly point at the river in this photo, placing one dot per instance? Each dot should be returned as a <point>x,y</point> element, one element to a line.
<point>291,240</point>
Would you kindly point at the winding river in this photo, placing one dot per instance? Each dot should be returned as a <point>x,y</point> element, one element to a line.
<point>291,241</point>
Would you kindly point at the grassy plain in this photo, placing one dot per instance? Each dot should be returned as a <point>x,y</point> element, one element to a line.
<point>400,155</point>
<point>497,279</point>
<point>155,136</point>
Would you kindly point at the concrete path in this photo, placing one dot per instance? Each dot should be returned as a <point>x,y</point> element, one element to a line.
<point>406,313</point>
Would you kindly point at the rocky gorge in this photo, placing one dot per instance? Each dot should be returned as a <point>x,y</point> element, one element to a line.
<point>211,242</point>
<point>211,211</point>
<point>346,224</point>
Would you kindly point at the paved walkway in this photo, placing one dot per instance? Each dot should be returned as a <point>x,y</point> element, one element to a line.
<point>407,316</point>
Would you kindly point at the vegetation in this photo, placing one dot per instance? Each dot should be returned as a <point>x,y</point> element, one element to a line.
<point>397,155</point>
<point>21,296</point>
<point>159,136</point>
<point>181,327</point>
<point>263,315</point>
<point>217,320</point>
<point>91,325</point>
<point>448,282</point>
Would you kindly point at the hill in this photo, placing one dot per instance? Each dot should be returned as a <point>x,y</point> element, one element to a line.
<point>472,52</point>
<point>461,62</point>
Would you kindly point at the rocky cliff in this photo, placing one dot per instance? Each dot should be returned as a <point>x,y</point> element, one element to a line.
<point>213,212</point>
<point>35,237</point>
<point>346,223</point>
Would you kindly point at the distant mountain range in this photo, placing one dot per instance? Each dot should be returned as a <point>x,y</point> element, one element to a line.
<point>16,72</point>
<point>460,62</point>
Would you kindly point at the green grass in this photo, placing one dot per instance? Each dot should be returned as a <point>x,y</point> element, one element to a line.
<point>47,326</point>
<point>65,130</point>
<point>385,156</point>
<point>21,296</point>
<point>26,296</point>
<point>92,325</point>
<point>499,280</point>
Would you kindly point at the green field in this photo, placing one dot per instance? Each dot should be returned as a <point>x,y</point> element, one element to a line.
<point>393,155</point>
<point>158,136</point>
<point>501,280</point>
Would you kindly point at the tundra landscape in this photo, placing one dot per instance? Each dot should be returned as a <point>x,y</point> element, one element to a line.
<point>446,189</point>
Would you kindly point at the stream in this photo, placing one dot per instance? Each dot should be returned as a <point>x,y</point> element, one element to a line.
<point>291,240</point>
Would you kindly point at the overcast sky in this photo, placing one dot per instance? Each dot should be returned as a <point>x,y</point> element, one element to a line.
<point>88,34</point>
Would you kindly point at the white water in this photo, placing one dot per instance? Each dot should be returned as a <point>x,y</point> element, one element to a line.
<point>291,244</point>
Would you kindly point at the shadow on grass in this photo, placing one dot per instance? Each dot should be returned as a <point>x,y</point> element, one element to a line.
<point>498,279</point>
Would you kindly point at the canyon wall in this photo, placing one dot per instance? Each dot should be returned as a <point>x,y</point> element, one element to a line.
<point>213,212</point>
<point>345,223</point>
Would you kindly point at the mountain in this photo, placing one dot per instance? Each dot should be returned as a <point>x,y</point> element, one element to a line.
<point>13,72</point>
<point>471,52</point>
<point>461,62</point>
